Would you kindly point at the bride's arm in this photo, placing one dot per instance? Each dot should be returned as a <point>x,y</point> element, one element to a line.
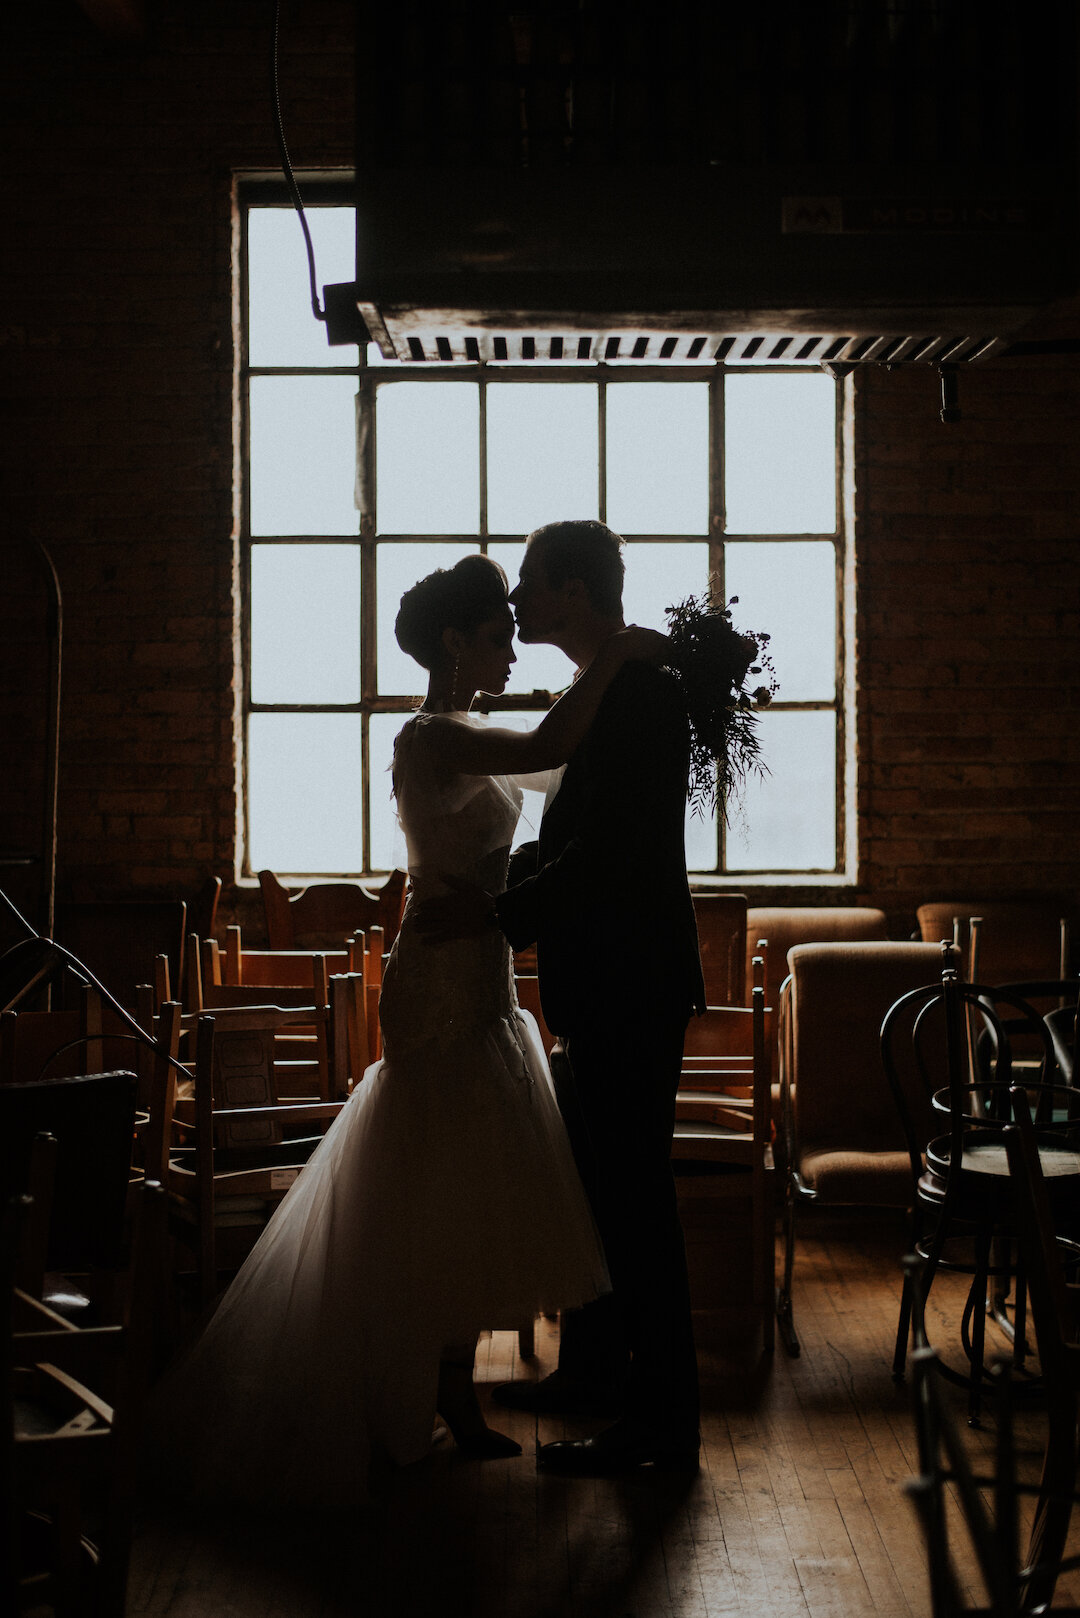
<point>471,751</point>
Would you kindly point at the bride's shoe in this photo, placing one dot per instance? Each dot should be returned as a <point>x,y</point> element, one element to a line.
<point>459,1407</point>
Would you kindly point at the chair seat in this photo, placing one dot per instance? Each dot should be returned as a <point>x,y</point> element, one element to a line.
<point>988,1159</point>
<point>867,1179</point>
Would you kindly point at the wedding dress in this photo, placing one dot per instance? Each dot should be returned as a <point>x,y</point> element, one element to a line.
<point>442,1201</point>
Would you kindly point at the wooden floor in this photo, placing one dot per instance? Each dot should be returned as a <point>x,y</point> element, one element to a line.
<point>799,1508</point>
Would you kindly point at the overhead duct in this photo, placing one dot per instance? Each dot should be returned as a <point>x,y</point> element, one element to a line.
<point>880,181</point>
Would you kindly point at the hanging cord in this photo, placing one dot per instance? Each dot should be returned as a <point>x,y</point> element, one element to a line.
<point>294,190</point>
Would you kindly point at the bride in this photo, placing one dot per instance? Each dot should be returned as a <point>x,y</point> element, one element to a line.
<point>443,1200</point>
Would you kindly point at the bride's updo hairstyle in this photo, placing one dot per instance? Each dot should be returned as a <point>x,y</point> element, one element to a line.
<point>461,597</point>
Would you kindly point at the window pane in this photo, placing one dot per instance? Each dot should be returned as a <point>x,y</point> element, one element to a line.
<point>789,591</point>
<point>543,454</point>
<point>303,455</point>
<point>305,623</point>
<point>398,567</point>
<point>538,668</point>
<point>780,453</point>
<point>658,458</point>
<point>787,821</point>
<point>388,851</point>
<point>659,576</point>
<point>281,327</point>
<point>701,850</point>
<point>427,458</point>
<point>305,792</point>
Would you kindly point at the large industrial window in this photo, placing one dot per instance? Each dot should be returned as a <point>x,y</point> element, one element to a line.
<point>360,476</point>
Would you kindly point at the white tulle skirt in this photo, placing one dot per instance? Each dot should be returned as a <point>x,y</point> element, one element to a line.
<point>442,1202</point>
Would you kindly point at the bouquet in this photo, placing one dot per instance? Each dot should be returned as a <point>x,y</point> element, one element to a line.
<point>712,662</point>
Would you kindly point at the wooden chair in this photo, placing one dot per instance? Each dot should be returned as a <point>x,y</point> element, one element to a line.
<point>962,1205</point>
<point>306,1047</point>
<point>74,1399</point>
<point>269,968</point>
<point>119,941</point>
<point>1014,941</point>
<point>367,958</point>
<point>844,1142</point>
<point>92,1119</point>
<point>722,1155</point>
<point>203,909</point>
<point>238,1142</point>
<point>326,912</point>
<point>771,930</point>
<point>721,927</point>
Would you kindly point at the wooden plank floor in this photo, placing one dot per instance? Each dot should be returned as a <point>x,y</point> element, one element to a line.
<point>798,1512</point>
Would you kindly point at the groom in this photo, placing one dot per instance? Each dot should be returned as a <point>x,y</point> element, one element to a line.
<point>608,907</point>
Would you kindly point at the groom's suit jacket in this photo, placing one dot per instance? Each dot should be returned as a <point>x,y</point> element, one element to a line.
<point>608,905</point>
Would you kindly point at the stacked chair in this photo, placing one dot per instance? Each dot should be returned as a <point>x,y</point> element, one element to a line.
<point>844,1145</point>
<point>724,1172</point>
<point>961,1196</point>
<point>1016,1581</point>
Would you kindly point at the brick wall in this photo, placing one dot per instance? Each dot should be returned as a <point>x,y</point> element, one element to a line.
<point>118,380</point>
<point>118,454</point>
<point>968,628</point>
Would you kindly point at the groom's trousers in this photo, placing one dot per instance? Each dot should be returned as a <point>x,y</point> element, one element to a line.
<point>616,1087</point>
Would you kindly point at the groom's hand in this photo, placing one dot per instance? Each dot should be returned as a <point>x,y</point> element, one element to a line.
<point>464,913</point>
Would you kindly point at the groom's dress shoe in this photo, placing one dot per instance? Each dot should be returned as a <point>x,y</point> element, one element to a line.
<point>558,1395</point>
<point>621,1448</point>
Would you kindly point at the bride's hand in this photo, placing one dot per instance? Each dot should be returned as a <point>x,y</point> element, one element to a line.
<point>636,642</point>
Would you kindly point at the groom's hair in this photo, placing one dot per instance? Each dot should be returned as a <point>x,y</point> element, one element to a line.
<point>585,550</point>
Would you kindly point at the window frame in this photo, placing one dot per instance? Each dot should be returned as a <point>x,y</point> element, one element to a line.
<point>370,377</point>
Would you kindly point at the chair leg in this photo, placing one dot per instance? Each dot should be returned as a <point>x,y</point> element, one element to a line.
<point>914,1274</point>
<point>975,1314</point>
<point>527,1340</point>
<point>903,1329</point>
<point>1050,1527</point>
<point>785,1322</point>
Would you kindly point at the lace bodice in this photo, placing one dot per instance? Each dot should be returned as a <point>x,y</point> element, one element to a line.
<point>458,826</point>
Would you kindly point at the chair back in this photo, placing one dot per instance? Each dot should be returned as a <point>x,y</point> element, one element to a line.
<point>324,913</point>
<point>1017,940</point>
<point>721,927</point>
<point>784,926</point>
<point>92,1117</point>
<point>840,994</point>
<point>926,1051</point>
<point>120,940</point>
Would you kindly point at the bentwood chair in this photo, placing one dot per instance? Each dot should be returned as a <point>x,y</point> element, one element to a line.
<point>962,1218</point>
<point>955,1501</point>
<point>1056,1318</point>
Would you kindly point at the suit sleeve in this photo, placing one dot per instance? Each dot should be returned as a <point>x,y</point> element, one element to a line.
<point>635,782</point>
